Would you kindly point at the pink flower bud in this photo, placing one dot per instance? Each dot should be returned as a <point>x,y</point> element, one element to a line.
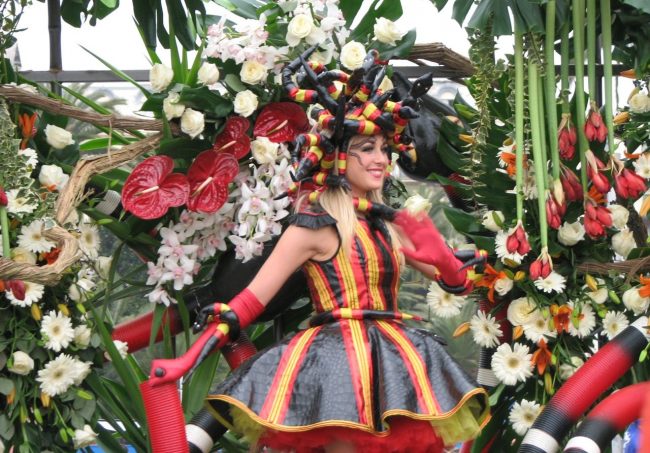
<point>3,197</point>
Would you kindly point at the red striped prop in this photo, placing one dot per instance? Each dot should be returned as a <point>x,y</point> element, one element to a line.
<point>595,377</point>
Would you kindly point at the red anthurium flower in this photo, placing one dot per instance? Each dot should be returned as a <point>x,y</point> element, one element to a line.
<point>234,138</point>
<point>151,188</point>
<point>595,129</point>
<point>17,288</point>
<point>567,137</point>
<point>209,177</point>
<point>281,122</point>
<point>597,219</point>
<point>628,184</point>
<point>570,184</point>
<point>594,173</point>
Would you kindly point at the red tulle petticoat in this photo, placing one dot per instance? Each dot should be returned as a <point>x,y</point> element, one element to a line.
<point>406,436</point>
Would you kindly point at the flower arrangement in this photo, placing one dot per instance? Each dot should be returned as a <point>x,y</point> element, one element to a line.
<point>551,188</point>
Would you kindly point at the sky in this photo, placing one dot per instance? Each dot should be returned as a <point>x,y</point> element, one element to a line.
<point>116,39</point>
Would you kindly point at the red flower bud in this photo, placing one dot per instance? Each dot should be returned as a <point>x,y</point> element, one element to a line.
<point>554,212</point>
<point>629,185</point>
<point>517,242</point>
<point>540,268</point>
<point>595,128</point>
<point>594,174</point>
<point>597,218</point>
<point>571,185</point>
<point>17,288</point>
<point>3,197</point>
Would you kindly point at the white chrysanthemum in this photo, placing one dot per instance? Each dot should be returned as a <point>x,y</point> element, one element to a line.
<point>31,158</point>
<point>31,237</point>
<point>122,349</point>
<point>614,323</point>
<point>553,282</point>
<point>502,250</point>
<point>512,365</point>
<point>57,330</point>
<point>485,330</point>
<point>33,293</point>
<point>568,369</point>
<point>634,302</point>
<point>537,327</point>
<point>442,303</point>
<point>19,205</point>
<point>584,323</point>
<point>521,310</point>
<point>89,240</point>
<point>523,415</point>
<point>58,375</point>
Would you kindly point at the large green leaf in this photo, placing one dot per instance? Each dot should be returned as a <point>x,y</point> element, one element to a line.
<point>450,156</point>
<point>462,221</point>
<point>145,19</point>
<point>350,8</point>
<point>243,8</point>
<point>390,9</point>
<point>207,101</point>
<point>122,75</point>
<point>460,10</point>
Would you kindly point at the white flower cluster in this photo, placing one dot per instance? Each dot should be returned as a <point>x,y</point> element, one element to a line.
<point>250,218</point>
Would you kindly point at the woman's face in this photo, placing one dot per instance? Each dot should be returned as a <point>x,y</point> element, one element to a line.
<point>367,160</point>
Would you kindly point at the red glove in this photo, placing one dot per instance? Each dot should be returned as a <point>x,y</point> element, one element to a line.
<point>430,248</point>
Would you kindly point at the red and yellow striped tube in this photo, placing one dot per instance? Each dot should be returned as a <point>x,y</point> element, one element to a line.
<point>370,111</point>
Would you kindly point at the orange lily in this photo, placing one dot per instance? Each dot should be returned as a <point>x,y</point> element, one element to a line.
<point>541,357</point>
<point>644,291</point>
<point>489,279</point>
<point>51,256</point>
<point>561,317</point>
<point>27,128</point>
<point>596,196</point>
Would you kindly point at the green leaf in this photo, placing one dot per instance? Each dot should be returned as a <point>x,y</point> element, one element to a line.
<point>401,49</point>
<point>350,8</point>
<point>111,4</point>
<point>183,148</point>
<point>450,155</point>
<point>462,221</point>
<point>119,73</point>
<point>6,427</point>
<point>390,9</point>
<point>642,5</point>
<point>207,101</point>
<point>6,386</point>
<point>460,10</point>
<point>243,8</point>
<point>234,83</point>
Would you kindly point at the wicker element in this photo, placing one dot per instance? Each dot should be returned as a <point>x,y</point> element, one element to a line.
<point>442,55</point>
<point>73,192</point>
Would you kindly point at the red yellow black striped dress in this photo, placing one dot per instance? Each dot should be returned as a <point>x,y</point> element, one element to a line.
<point>371,381</point>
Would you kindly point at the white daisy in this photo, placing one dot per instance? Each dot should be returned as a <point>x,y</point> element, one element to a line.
<point>536,328</point>
<point>523,415</point>
<point>553,282</point>
<point>122,348</point>
<point>31,237</point>
<point>512,365</point>
<point>89,240</point>
<point>614,323</point>
<point>33,293</point>
<point>57,330</point>
<point>58,375</point>
<point>442,303</point>
<point>485,329</point>
<point>31,158</point>
<point>584,322</point>
<point>19,204</point>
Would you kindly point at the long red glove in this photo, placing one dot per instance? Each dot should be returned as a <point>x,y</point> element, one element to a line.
<point>430,248</point>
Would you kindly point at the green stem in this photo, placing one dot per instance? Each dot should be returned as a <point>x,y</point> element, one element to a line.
<point>4,223</point>
<point>606,26</point>
<point>542,130</point>
<point>565,57</point>
<point>591,47</point>
<point>536,129</point>
<point>551,109</point>
<point>519,122</point>
<point>579,50</point>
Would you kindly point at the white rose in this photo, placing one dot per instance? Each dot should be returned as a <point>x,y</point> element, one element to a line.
<point>245,103</point>
<point>103,266</point>
<point>490,222</point>
<point>503,286</point>
<point>171,106</point>
<point>253,72</point>
<point>521,311</point>
<point>299,27</point>
<point>386,84</point>
<point>27,87</point>
<point>56,137</point>
<point>571,233</point>
<point>386,31</point>
<point>22,363</point>
<point>208,74</point>
<point>568,369</point>
<point>639,103</point>
<point>417,204</point>
<point>52,177</point>
<point>264,150</point>
<point>82,335</point>
<point>620,214</point>
<point>192,122</point>
<point>160,77</point>
<point>634,302</point>
<point>352,55</point>
<point>84,437</point>
<point>22,255</point>
<point>623,242</point>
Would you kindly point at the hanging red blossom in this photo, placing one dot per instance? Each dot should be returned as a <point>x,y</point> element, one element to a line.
<point>234,138</point>
<point>518,241</point>
<point>209,177</point>
<point>595,129</point>
<point>281,122</point>
<point>567,138</point>
<point>541,267</point>
<point>595,173</point>
<point>4,201</point>
<point>597,219</point>
<point>571,184</point>
<point>151,188</point>
<point>628,184</point>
